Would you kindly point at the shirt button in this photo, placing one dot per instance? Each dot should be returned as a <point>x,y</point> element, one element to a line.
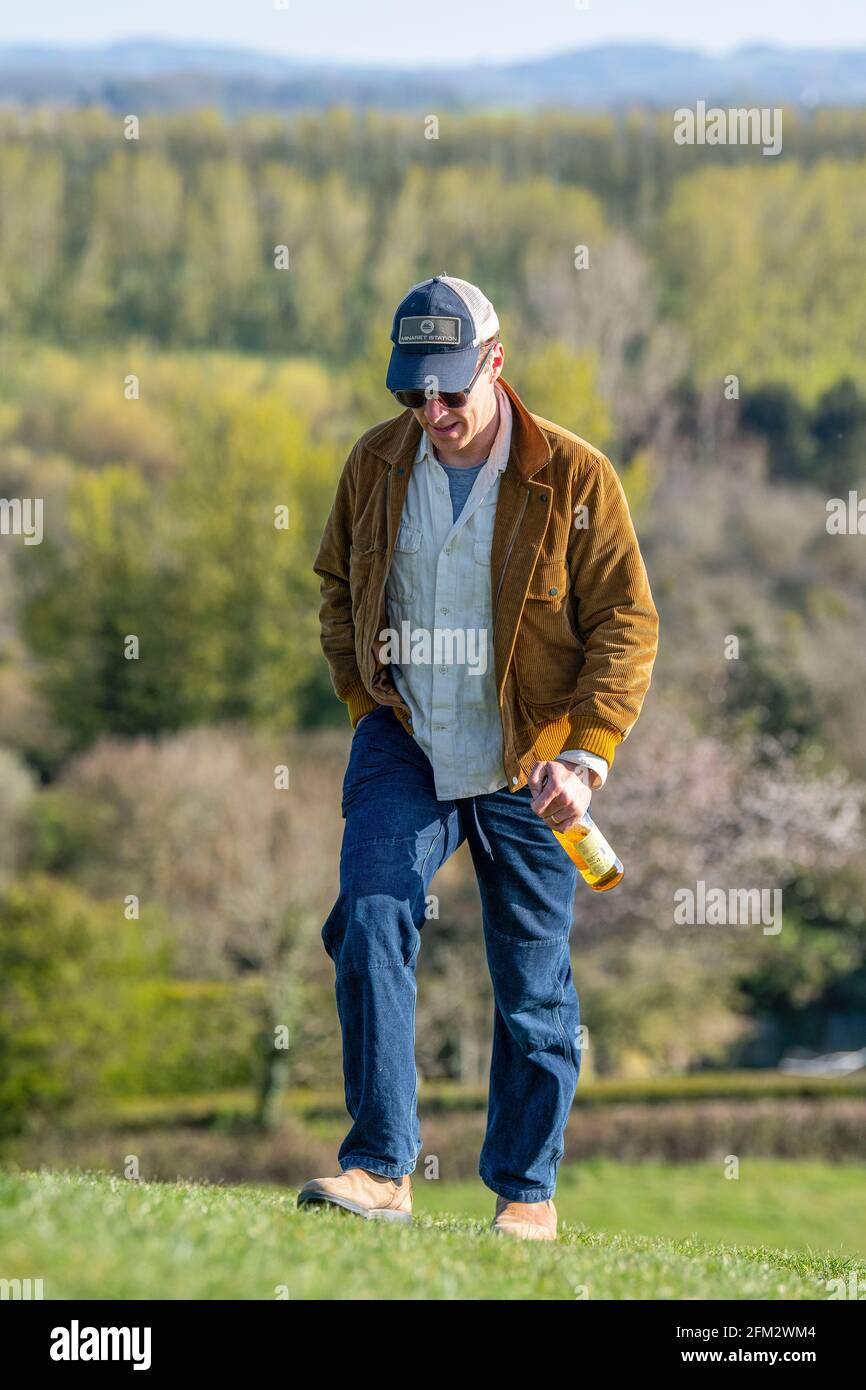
<point>443,611</point>
<point>443,670</point>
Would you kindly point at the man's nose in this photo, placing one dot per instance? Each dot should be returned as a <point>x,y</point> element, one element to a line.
<point>434,409</point>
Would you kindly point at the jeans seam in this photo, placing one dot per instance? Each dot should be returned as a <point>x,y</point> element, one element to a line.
<point>557,1011</point>
<point>516,1194</point>
<point>397,962</point>
<point>389,840</point>
<point>375,1165</point>
<point>440,831</point>
<point>516,940</point>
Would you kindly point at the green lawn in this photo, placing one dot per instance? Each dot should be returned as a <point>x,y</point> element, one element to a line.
<point>91,1236</point>
<point>798,1205</point>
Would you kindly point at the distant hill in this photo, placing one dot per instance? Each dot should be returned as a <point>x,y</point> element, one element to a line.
<point>150,74</point>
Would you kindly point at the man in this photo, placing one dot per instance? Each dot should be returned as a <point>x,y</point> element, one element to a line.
<point>488,621</point>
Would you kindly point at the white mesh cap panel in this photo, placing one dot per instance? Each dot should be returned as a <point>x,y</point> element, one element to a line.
<point>479,306</point>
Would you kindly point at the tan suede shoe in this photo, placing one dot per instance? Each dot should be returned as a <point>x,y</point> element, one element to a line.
<point>525,1220</point>
<point>366,1194</point>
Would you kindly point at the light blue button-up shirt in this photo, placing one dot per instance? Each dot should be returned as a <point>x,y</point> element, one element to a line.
<point>440,611</point>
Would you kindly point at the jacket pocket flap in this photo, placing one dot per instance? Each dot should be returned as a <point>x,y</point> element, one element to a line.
<point>549,581</point>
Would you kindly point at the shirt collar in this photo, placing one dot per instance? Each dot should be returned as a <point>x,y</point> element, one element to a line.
<point>501,447</point>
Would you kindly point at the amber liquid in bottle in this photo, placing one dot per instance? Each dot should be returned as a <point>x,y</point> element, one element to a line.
<point>585,845</point>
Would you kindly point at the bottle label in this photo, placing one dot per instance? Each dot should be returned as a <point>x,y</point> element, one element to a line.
<point>596,853</point>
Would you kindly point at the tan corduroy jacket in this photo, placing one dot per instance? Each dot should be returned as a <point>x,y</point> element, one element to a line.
<point>574,625</point>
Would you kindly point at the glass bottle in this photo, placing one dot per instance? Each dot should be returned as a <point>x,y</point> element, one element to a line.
<point>586,847</point>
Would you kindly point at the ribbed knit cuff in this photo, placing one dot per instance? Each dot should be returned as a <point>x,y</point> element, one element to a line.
<point>359,701</point>
<point>593,737</point>
<point>548,741</point>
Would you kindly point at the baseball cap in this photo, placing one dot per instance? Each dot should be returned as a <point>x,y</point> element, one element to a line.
<point>438,328</point>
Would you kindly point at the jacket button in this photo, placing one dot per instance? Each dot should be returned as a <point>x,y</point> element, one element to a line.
<point>514,781</point>
<point>554,591</point>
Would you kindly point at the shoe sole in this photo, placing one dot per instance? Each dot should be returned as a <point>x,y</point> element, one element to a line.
<point>374,1214</point>
<point>512,1235</point>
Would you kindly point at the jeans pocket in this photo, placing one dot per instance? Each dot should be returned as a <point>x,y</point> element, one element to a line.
<point>361,765</point>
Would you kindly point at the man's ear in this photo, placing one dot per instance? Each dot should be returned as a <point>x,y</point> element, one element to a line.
<point>497,361</point>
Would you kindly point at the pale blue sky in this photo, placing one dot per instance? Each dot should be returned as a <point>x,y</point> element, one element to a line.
<point>439,32</point>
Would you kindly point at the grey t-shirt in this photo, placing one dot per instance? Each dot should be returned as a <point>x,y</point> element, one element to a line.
<point>460,484</point>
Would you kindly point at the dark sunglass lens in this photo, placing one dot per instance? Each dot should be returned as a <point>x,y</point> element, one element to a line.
<point>455,400</point>
<point>413,399</point>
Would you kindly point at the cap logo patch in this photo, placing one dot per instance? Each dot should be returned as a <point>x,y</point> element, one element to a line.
<point>419,329</point>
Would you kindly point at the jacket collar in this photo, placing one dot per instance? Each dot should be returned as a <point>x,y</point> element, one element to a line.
<point>396,441</point>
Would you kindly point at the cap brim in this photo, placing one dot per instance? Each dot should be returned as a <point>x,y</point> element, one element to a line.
<point>411,371</point>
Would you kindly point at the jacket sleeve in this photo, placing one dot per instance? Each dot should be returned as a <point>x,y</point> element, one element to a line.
<point>617,619</point>
<point>336,627</point>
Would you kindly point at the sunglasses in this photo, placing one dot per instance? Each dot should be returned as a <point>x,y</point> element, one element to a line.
<point>454,400</point>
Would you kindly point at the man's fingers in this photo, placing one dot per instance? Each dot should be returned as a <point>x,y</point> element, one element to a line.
<point>554,807</point>
<point>539,778</point>
<point>556,803</point>
<point>536,778</point>
<point>548,800</point>
<point>569,823</point>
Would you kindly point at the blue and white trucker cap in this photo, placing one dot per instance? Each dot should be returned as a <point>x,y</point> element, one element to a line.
<point>437,331</point>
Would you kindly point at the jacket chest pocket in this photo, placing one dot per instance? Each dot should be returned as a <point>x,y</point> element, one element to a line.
<point>549,607</point>
<point>403,576</point>
<point>548,651</point>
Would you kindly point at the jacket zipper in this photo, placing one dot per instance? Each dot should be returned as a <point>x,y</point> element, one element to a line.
<point>511,541</point>
<point>381,595</point>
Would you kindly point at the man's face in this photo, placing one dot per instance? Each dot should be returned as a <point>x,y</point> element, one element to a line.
<point>457,428</point>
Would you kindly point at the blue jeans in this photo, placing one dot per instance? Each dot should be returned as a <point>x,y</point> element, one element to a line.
<point>397,834</point>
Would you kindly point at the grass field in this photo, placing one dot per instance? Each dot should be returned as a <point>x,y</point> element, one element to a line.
<point>627,1232</point>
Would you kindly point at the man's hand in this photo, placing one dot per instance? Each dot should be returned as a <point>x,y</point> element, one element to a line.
<point>559,795</point>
